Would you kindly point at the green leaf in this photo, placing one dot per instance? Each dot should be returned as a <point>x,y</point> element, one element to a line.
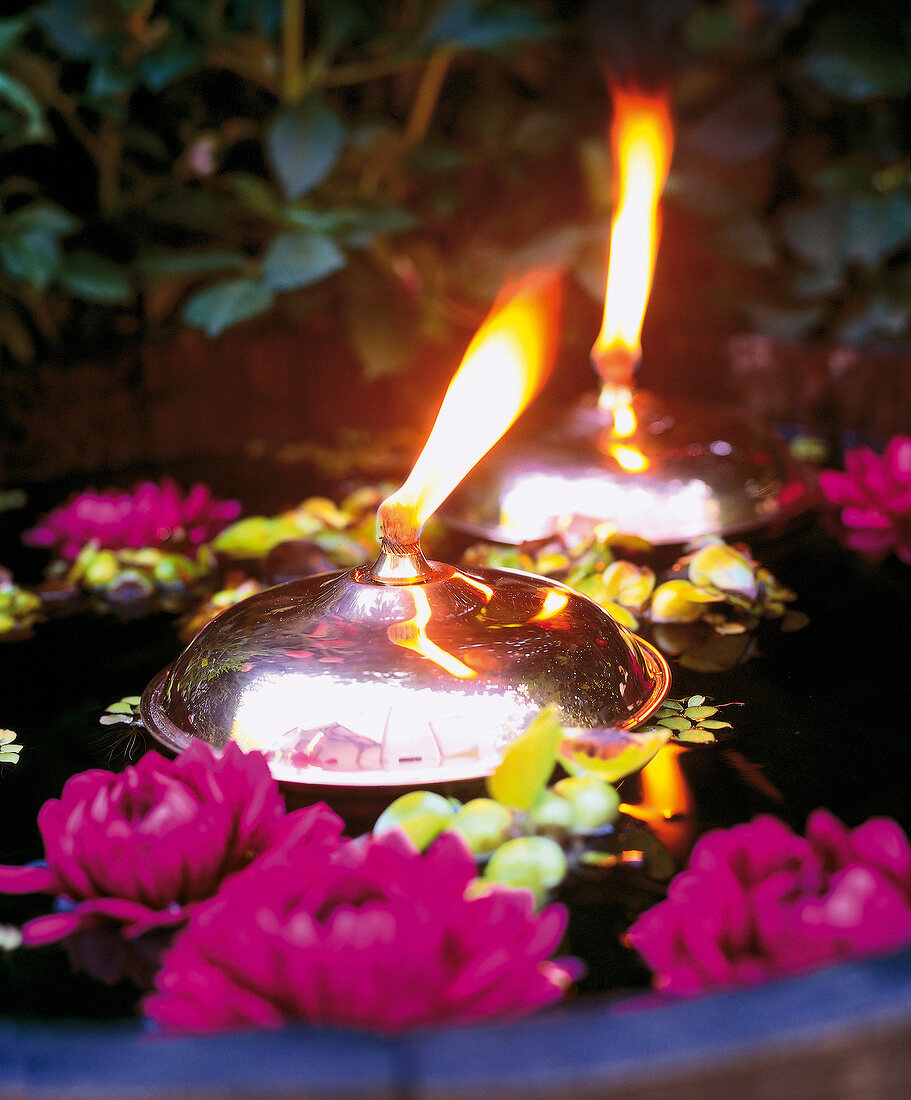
<point>9,757</point>
<point>881,317</point>
<point>299,259</point>
<point>382,324</point>
<point>10,32</point>
<point>715,725</point>
<point>696,737</point>
<point>384,221</point>
<point>695,701</point>
<point>851,60</point>
<point>710,28</point>
<point>527,763</point>
<point>750,242</point>
<point>32,256</point>
<point>83,30</point>
<point>876,227</point>
<point>109,80</point>
<point>95,278</point>
<point>339,19</point>
<point>815,232</point>
<point>784,323</point>
<point>173,59</point>
<point>697,713</point>
<point>224,304</point>
<point>304,145</point>
<point>742,128</point>
<point>676,723</point>
<point>193,208</point>
<point>18,96</point>
<point>46,216</point>
<point>164,264</point>
<point>465,24</point>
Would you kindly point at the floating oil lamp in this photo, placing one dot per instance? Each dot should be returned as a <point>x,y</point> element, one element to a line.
<point>666,469</point>
<point>411,672</point>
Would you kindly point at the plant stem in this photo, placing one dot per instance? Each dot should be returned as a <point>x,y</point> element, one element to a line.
<point>292,50</point>
<point>427,96</point>
<point>359,72</point>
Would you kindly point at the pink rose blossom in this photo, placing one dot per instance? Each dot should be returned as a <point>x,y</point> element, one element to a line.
<point>371,935</point>
<point>150,516</point>
<point>874,495</point>
<point>758,902</point>
<point>128,855</point>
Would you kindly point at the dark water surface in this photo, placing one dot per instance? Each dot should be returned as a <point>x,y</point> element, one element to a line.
<point>824,722</point>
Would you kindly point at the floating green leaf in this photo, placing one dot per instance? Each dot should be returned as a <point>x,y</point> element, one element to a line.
<point>9,749</point>
<point>610,754</point>
<point>527,763</point>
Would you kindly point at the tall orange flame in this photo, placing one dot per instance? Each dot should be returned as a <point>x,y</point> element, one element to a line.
<point>641,141</point>
<point>502,369</point>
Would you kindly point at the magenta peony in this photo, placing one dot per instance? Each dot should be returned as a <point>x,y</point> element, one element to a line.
<point>874,495</point>
<point>758,902</point>
<point>152,515</point>
<point>372,935</point>
<point>128,855</point>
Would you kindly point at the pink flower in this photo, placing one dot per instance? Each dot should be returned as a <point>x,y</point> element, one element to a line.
<point>370,935</point>
<point>152,515</point>
<point>129,855</point>
<point>758,902</point>
<point>874,494</point>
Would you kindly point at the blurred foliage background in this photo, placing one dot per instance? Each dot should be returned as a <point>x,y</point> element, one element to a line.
<point>202,162</point>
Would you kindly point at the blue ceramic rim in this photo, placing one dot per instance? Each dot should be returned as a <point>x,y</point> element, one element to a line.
<point>584,1043</point>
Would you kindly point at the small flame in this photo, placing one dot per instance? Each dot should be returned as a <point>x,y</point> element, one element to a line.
<point>641,141</point>
<point>501,371</point>
<point>412,634</point>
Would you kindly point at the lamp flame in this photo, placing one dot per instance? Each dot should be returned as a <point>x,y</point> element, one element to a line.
<point>641,142</point>
<point>501,371</point>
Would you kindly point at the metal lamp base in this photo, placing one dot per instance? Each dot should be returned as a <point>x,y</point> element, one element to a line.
<point>345,681</point>
<point>696,468</point>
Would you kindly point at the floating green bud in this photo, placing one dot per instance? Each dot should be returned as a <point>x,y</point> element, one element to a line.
<point>101,569</point>
<point>423,815</point>
<point>536,863</point>
<point>594,803</point>
<point>483,823</point>
<point>550,811</point>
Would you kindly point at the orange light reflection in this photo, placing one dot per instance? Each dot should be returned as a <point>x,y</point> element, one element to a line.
<point>502,369</point>
<point>630,458</point>
<point>667,803</point>
<point>411,634</point>
<point>641,142</point>
<point>625,422</point>
<point>554,602</point>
